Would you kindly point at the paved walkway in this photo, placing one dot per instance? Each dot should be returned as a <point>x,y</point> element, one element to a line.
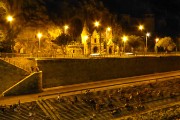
<point>100,85</point>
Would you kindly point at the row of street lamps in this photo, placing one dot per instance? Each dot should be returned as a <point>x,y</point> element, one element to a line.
<point>97,24</point>
<point>125,38</point>
<point>141,28</point>
<point>10,19</point>
<point>39,34</point>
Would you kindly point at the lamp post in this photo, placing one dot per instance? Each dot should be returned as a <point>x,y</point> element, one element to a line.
<point>124,38</point>
<point>97,24</point>
<point>141,27</point>
<point>66,27</point>
<point>108,29</point>
<point>147,35</point>
<point>10,19</point>
<point>39,35</point>
<point>156,48</point>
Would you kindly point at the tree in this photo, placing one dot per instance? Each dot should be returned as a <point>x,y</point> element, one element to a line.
<point>117,31</point>
<point>63,40</point>
<point>166,43</point>
<point>135,42</point>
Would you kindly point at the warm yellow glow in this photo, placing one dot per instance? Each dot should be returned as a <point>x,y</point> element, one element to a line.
<point>157,39</point>
<point>148,34</point>
<point>9,18</point>
<point>66,27</point>
<point>85,37</point>
<point>96,24</point>
<point>141,27</point>
<point>124,38</point>
<point>39,35</point>
<point>108,29</point>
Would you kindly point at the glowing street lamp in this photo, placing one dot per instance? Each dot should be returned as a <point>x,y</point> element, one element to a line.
<point>97,24</point>
<point>156,47</point>
<point>147,35</point>
<point>39,35</point>
<point>141,27</point>
<point>108,29</point>
<point>157,39</point>
<point>66,27</point>
<point>124,38</point>
<point>9,18</point>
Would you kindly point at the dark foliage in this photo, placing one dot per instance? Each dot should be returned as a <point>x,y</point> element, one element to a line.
<point>63,39</point>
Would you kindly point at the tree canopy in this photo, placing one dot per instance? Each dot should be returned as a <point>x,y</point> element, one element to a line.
<point>42,13</point>
<point>166,43</point>
<point>63,40</point>
<point>135,42</point>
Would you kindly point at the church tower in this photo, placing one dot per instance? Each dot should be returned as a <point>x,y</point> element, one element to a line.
<point>85,39</point>
<point>95,42</point>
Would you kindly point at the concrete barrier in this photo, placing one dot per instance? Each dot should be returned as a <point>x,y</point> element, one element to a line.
<point>30,84</point>
<point>61,72</point>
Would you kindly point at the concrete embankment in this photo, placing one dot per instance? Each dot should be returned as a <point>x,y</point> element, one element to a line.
<point>61,72</point>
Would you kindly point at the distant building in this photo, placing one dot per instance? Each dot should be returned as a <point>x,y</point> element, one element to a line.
<point>99,41</point>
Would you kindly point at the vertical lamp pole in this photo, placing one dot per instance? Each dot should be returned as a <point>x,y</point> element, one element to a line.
<point>39,35</point>
<point>124,38</point>
<point>156,48</point>
<point>65,29</point>
<point>10,19</point>
<point>97,25</point>
<point>147,35</point>
<point>108,29</point>
<point>141,27</point>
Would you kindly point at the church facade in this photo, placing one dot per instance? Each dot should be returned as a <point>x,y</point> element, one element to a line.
<point>99,41</point>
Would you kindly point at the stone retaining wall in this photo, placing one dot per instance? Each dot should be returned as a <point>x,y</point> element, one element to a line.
<point>60,72</point>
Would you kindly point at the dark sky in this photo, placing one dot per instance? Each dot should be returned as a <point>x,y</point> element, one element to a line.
<point>137,7</point>
<point>163,10</point>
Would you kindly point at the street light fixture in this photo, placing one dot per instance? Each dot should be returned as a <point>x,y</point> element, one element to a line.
<point>157,39</point>
<point>65,28</point>
<point>156,47</point>
<point>141,27</point>
<point>9,18</point>
<point>124,38</point>
<point>147,35</point>
<point>39,35</point>
<point>97,24</point>
<point>108,29</point>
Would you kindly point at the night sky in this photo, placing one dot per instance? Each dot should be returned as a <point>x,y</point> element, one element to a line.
<point>136,7</point>
<point>164,10</point>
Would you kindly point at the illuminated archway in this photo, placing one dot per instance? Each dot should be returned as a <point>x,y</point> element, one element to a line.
<point>110,50</point>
